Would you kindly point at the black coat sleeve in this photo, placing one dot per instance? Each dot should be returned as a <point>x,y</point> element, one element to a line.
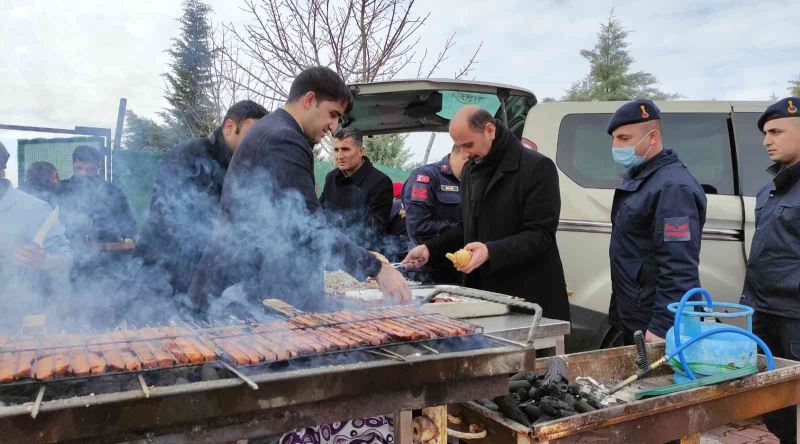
<point>540,213</point>
<point>448,242</point>
<point>380,207</point>
<point>122,212</point>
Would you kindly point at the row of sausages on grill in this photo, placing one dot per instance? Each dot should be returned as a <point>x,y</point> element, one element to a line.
<point>120,350</point>
<point>246,347</point>
<point>158,347</point>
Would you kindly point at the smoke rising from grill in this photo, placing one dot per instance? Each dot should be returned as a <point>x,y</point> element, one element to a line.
<point>269,243</point>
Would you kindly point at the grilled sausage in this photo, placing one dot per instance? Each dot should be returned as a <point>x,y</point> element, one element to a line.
<point>79,362</point>
<point>8,366</point>
<point>44,368</point>
<point>189,349</point>
<point>60,364</point>
<point>25,363</point>
<point>233,351</point>
<point>281,354</point>
<point>97,364</point>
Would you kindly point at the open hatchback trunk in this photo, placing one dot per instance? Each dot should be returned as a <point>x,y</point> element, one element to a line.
<point>403,106</point>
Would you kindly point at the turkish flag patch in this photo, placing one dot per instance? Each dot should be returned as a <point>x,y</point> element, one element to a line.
<point>421,178</point>
<point>676,229</point>
<point>419,194</point>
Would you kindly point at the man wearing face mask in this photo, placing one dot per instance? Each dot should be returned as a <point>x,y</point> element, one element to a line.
<point>657,221</point>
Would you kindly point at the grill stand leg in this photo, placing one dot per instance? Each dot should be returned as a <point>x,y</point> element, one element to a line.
<point>437,414</point>
<point>402,427</point>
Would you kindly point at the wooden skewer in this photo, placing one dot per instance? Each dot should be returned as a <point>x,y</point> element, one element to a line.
<point>38,402</point>
<point>430,349</point>
<point>240,375</point>
<point>145,388</point>
<point>44,230</point>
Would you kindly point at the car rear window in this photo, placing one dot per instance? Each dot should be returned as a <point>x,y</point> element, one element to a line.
<point>700,139</point>
<point>753,159</point>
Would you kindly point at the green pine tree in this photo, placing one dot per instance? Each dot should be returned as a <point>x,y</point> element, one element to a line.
<point>146,134</point>
<point>609,76</point>
<point>189,83</point>
<point>388,149</point>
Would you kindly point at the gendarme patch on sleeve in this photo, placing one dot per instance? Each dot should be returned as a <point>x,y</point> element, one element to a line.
<point>676,229</point>
<point>419,193</point>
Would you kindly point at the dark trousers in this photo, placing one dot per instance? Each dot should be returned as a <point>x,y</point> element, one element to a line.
<point>782,336</point>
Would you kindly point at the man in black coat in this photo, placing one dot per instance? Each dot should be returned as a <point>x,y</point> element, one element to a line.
<point>357,197</point>
<point>510,205</point>
<point>271,240</point>
<point>185,201</point>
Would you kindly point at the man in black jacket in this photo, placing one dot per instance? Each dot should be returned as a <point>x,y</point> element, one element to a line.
<point>271,240</point>
<point>510,206</point>
<point>185,201</point>
<point>357,197</point>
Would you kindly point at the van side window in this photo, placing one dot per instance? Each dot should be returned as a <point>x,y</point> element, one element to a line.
<point>700,139</point>
<point>753,159</point>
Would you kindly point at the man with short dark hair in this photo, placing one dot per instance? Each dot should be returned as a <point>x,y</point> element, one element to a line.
<point>272,241</point>
<point>357,197</point>
<point>94,210</point>
<point>510,207</point>
<point>41,180</point>
<point>100,228</point>
<point>185,201</point>
<point>772,283</point>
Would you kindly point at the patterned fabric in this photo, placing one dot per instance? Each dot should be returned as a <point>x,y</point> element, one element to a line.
<point>375,430</point>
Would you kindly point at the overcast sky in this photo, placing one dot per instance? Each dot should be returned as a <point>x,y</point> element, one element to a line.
<point>67,63</point>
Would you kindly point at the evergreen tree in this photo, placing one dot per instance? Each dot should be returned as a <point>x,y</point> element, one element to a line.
<point>190,82</point>
<point>609,76</point>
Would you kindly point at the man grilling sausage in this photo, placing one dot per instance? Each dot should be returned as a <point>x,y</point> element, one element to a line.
<point>272,239</point>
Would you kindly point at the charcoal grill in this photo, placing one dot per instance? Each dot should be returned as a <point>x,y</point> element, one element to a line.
<point>223,400</point>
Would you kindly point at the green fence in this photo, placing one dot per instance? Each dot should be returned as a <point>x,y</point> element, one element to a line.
<point>57,151</point>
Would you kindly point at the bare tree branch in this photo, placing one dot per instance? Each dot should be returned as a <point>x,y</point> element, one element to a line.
<point>469,66</point>
<point>362,40</point>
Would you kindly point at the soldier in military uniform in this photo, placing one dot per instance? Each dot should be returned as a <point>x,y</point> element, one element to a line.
<point>772,283</point>
<point>433,205</point>
<point>657,222</point>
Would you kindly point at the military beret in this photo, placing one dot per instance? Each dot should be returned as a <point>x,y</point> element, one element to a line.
<point>782,108</point>
<point>637,111</point>
<point>4,156</point>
